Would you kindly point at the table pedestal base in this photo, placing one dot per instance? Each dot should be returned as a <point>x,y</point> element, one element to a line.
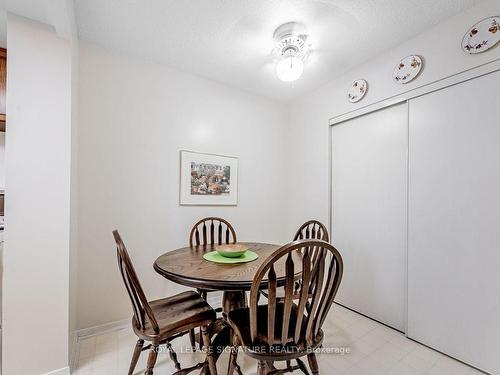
<point>232,300</point>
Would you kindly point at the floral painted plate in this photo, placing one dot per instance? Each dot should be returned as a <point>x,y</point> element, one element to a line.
<point>408,69</point>
<point>482,36</point>
<point>357,90</point>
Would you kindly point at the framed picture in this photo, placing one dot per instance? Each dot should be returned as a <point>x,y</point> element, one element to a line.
<point>208,179</point>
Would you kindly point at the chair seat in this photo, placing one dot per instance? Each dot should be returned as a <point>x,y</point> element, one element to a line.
<point>239,319</point>
<point>176,314</point>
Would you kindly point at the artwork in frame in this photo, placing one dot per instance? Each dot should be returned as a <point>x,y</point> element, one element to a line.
<point>208,179</point>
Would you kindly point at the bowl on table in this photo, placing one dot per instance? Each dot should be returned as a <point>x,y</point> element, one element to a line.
<point>231,250</point>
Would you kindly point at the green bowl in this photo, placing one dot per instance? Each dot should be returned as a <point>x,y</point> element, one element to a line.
<point>231,250</point>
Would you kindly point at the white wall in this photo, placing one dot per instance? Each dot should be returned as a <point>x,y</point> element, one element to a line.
<point>36,249</point>
<point>134,118</point>
<point>309,115</point>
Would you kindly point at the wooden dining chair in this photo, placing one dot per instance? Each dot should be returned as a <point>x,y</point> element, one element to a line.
<point>207,232</point>
<point>311,229</point>
<point>286,331</point>
<point>212,231</point>
<point>159,322</point>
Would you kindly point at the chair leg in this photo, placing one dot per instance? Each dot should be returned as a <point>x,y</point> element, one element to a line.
<point>313,363</point>
<point>201,341</point>
<point>173,356</point>
<point>135,356</point>
<point>203,294</point>
<point>302,366</point>
<point>233,358</point>
<point>192,339</point>
<point>210,355</point>
<point>153,354</point>
<point>270,366</point>
<point>261,368</point>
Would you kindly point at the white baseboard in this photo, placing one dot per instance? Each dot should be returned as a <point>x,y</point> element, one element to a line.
<point>82,334</point>
<point>75,352</point>
<point>103,328</point>
<point>61,371</point>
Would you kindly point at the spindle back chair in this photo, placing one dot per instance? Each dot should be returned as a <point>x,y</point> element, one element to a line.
<point>140,305</point>
<point>205,232</point>
<point>212,231</point>
<point>312,229</point>
<point>280,324</point>
<point>161,321</point>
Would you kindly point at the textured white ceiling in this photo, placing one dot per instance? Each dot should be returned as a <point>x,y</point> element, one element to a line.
<point>231,40</point>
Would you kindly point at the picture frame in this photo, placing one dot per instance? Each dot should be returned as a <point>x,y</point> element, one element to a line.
<point>208,179</point>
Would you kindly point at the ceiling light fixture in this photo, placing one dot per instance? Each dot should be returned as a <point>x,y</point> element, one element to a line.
<point>291,50</point>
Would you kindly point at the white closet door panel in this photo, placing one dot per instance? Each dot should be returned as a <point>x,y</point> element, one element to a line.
<point>454,221</point>
<point>369,172</point>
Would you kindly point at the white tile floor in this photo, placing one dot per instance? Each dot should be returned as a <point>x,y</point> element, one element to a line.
<point>373,349</point>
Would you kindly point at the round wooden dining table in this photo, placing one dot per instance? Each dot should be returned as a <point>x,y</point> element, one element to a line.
<point>186,266</point>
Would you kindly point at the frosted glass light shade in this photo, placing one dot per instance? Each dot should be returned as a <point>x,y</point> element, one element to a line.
<point>290,69</point>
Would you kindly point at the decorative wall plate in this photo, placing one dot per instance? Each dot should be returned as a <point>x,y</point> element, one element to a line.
<point>357,90</point>
<point>482,36</point>
<point>407,69</point>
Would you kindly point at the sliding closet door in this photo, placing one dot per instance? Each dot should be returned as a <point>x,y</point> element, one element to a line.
<point>369,174</point>
<point>454,221</point>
